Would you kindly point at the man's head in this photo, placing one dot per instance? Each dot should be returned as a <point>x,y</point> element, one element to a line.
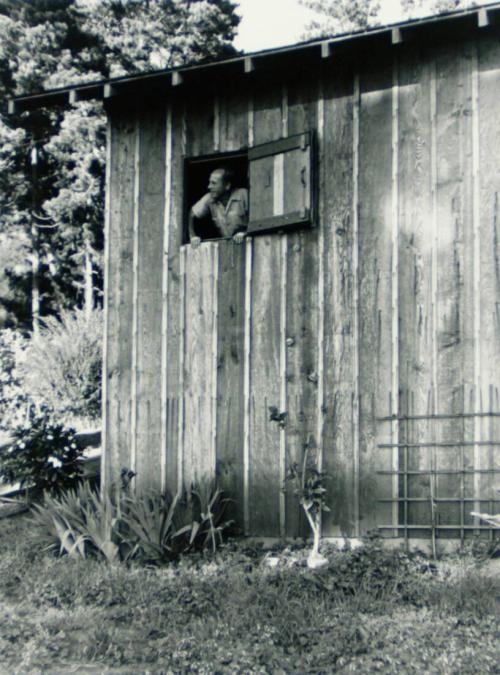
<point>220,182</point>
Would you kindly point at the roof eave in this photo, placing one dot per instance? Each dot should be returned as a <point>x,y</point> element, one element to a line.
<point>246,64</point>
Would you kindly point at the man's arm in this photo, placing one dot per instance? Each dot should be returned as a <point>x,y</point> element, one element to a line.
<point>193,237</point>
<point>199,210</point>
<point>239,236</point>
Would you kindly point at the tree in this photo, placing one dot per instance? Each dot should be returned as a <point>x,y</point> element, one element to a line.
<point>415,8</point>
<point>51,215</point>
<point>340,16</point>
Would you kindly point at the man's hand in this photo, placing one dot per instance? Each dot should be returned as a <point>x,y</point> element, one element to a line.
<point>239,237</point>
<point>195,242</point>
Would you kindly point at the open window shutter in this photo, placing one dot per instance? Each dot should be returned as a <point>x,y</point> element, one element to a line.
<point>280,184</point>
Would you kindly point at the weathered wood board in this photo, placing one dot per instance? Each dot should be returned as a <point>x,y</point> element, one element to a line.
<point>416,235</point>
<point>265,378</point>
<point>119,301</point>
<point>375,315</point>
<point>150,226</point>
<point>340,341</point>
<point>302,307</point>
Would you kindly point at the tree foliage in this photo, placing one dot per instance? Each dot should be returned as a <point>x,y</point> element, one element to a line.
<point>340,16</point>
<point>51,213</point>
<point>414,8</point>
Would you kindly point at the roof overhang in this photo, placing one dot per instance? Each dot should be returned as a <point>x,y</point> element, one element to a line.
<point>455,25</point>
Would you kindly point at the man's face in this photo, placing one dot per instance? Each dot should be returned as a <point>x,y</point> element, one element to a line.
<point>217,186</point>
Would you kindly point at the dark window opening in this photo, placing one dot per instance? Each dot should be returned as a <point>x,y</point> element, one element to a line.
<point>197,172</point>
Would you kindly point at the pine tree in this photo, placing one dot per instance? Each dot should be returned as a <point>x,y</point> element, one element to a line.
<point>51,215</point>
<point>340,16</point>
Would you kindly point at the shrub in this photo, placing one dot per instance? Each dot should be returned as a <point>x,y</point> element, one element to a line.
<point>14,404</point>
<point>62,366</point>
<point>42,454</point>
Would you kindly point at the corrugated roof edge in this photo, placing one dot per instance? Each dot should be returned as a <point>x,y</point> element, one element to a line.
<point>106,89</point>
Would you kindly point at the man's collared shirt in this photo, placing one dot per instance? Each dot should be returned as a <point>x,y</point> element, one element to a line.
<point>231,218</point>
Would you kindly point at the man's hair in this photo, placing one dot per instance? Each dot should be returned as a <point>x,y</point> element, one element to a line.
<point>227,174</point>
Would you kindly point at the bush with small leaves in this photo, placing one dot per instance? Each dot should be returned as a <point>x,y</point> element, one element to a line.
<point>14,403</point>
<point>42,454</point>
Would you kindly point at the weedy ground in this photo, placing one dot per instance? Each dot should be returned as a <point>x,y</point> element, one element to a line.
<point>370,610</point>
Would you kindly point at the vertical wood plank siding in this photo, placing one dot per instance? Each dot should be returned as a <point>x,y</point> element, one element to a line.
<point>387,309</point>
<point>454,267</point>
<point>375,316</point>
<point>119,295</point>
<point>416,234</point>
<point>264,486</point>
<point>150,263</point>
<point>233,135</point>
<point>489,254</point>
<point>165,405</point>
<point>336,201</point>
<point>301,319</point>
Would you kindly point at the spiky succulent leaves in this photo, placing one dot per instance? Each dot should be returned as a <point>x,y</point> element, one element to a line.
<point>149,526</point>
<point>202,512</point>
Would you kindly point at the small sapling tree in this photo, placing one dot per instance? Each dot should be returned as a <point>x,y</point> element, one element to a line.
<point>308,483</point>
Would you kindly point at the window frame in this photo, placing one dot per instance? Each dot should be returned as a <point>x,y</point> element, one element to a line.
<point>305,219</point>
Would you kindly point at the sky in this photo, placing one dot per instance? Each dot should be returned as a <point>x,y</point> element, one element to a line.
<point>273,23</point>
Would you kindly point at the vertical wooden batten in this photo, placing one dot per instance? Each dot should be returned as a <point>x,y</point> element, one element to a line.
<point>477,302</point>
<point>164,445</point>
<point>105,460</point>
<point>320,405</point>
<point>216,129</point>
<point>214,347</point>
<point>395,287</point>
<point>283,321</point>
<point>135,299</point>
<point>246,384</point>
<point>182,347</point>
<point>246,351</point>
<point>435,245</point>
<point>355,277</point>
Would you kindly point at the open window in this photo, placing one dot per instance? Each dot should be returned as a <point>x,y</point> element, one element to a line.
<point>277,175</point>
<point>197,172</point>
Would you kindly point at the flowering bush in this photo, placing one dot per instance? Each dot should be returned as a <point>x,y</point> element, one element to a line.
<point>42,454</point>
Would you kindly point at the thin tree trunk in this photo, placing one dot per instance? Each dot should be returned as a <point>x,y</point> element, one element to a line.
<point>35,281</point>
<point>35,256</point>
<point>88,275</point>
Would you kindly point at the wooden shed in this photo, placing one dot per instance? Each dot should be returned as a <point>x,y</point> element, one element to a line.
<point>362,313</point>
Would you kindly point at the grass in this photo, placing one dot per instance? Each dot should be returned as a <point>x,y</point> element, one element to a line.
<point>369,611</point>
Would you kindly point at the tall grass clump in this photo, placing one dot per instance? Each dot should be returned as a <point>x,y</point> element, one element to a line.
<point>61,367</point>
